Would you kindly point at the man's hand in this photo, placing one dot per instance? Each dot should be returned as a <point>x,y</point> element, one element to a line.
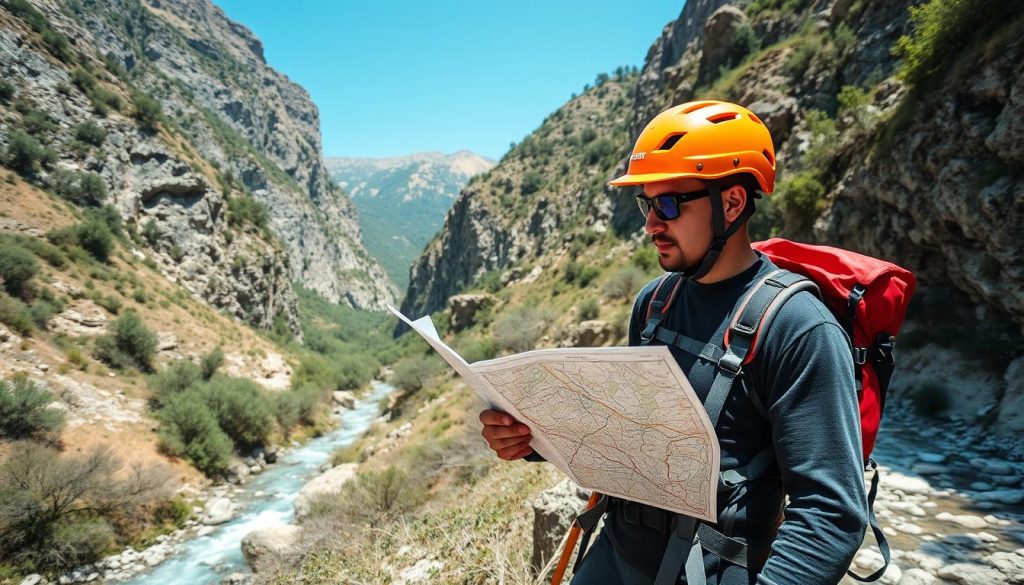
<point>509,438</point>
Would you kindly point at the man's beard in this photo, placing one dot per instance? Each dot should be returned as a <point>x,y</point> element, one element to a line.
<point>681,264</point>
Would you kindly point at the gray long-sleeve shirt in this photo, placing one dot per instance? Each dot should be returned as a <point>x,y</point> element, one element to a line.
<point>804,376</point>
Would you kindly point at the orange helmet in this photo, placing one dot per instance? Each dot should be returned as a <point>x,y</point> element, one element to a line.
<point>702,140</point>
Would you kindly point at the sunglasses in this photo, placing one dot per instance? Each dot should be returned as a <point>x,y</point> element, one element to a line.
<point>666,206</point>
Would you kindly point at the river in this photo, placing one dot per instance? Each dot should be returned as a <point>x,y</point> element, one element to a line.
<point>267,499</point>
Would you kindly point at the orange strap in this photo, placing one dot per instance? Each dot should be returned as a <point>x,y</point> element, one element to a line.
<point>574,534</point>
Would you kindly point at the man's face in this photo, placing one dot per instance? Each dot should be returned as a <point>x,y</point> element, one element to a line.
<point>683,241</point>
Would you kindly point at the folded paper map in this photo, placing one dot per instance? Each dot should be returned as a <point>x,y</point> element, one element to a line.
<point>623,421</point>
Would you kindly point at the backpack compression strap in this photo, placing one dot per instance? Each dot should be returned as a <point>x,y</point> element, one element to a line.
<point>666,291</point>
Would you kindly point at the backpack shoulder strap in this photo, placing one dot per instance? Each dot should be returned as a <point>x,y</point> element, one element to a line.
<point>666,291</point>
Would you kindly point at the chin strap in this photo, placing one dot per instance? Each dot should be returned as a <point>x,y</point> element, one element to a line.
<point>722,234</point>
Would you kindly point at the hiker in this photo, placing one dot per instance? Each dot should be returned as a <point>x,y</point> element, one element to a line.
<point>793,413</point>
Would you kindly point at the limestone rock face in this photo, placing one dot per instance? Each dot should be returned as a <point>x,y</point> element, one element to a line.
<point>465,307</point>
<point>719,31</point>
<point>593,333</point>
<point>239,127</point>
<point>266,547</point>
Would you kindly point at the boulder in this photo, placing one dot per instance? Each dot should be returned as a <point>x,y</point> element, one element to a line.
<point>719,30</point>
<point>589,334</point>
<point>218,511</point>
<point>345,399</point>
<point>33,579</point>
<point>553,512</point>
<point>465,307</point>
<point>331,481</point>
<point>265,548</point>
<point>237,472</point>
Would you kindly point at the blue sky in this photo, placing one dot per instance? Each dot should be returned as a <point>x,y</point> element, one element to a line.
<point>393,78</point>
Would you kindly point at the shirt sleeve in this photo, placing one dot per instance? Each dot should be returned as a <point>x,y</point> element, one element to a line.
<point>813,410</point>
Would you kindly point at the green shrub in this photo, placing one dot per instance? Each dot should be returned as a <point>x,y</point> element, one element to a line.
<point>90,132</point>
<point>41,248</point>
<point>24,413</point>
<point>943,28</point>
<point>42,311</point>
<point>178,376</point>
<point>17,267</point>
<point>587,275</point>
<point>109,302</point>
<point>520,329</point>
<point>37,123</point>
<point>7,91</point>
<point>372,497</point>
<point>15,314</point>
<point>245,209</point>
<point>599,150</point>
<point>211,362</point>
<point>415,372</point>
<point>80,188</point>
<point>129,343</point>
<point>533,181</point>
<point>188,429</point>
<point>150,231</point>
<point>803,200</point>
<point>800,59</point>
<point>646,258</point>
<point>23,153</point>
<point>587,135</point>
<point>624,283</point>
<point>587,310</point>
<point>94,236</point>
<point>242,408</point>
<point>480,349</point>
<point>744,42</point>
<point>147,111</point>
<point>53,507</point>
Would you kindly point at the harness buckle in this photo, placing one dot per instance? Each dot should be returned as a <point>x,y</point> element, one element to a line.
<point>731,363</point>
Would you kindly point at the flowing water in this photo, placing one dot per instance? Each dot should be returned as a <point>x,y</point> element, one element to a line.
<point>210,558</point>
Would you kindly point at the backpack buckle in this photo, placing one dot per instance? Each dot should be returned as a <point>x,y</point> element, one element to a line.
<point>731,363</point>
<point>860,355</point>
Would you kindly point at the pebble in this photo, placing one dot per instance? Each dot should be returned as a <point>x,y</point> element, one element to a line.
<point>965,520</point>
<point>916,576</point>
<point>928,469</point>
<point>981,486</point>
<point>932,457</point>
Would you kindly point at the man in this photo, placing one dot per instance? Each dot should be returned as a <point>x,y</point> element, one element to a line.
<point>700,166</point>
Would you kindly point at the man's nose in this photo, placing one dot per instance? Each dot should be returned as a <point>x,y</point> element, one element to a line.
<point>654,224</point>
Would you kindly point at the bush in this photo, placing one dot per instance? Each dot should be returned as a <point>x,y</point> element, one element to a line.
<point>80,188</point>
<point>599,150</point>
<point>943,28</point>
<point>15,314</point>
<point>23,153</point>
<point>242,408</point>
<point>743,42</point>
<point>129,344</point>
<point>7,91</point>
<point>24,413</point>
<point>415,372</point>
<point>17,267</point>
<point>94,236</point>
<point>90,132</point>
<point>533,181</point>
<point>37,123</point>
<point>587,275</point>
<point>587,310</point>
<point>481,349</point>
<point>624,283</point>
<point>178,376</point>
<point>520,329</point>
<point>42,311</point>
<point>211,362</point>
<point>803,199</point>
<point>646,258</point>
<point>244,208</point>
<point>52,508</point>
<point>372,497</point>
<point>190,430</point>
<point>147,111</point>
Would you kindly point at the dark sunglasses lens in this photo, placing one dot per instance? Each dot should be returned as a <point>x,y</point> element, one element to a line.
<point>643,204</point>
<point>666,206</point>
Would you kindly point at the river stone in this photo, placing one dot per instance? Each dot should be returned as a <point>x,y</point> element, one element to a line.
<point>916,576</point>
<point>932,457</point>
<point>345,399</point>
<point>894,480</point>
<point>218,511</point>
<point>893,574</point>
<point>329,482</point>
<point>1010,497</point>
<point>1011,564</point>
<point>928,468</point>
<point>265,548</point>
<point>33,579</point>
<point>965,520</point>
<point>971,574</point>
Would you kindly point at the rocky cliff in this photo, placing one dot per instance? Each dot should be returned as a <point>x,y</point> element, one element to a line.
<point>925,171</point>
<point>248,129</point>
<point>402,200</point>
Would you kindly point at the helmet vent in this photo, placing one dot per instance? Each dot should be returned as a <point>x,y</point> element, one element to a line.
<point>768,156</point>
<point>670,142</point>
<point>756,119</point>
<point>698,105</point>
<point>719,118</point>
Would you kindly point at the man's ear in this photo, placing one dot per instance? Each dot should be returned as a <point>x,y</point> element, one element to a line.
<point>734,200</point>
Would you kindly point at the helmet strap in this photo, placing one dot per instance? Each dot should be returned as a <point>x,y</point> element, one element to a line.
<point>721,234</point>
